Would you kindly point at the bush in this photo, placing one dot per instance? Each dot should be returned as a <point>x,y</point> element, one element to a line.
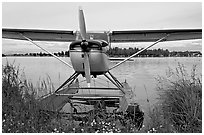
<point>180,103</point>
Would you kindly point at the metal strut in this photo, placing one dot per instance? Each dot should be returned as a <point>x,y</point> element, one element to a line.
<point>115,79</point>
<point>30,40</point>
<point>70,79</point>
<point>115,82</point>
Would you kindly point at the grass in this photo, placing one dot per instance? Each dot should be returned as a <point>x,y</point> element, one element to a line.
<point>19,104</point>
<point>21,111</point>
<point>179,107</point>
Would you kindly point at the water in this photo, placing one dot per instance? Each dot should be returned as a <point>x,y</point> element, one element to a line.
<point>140,73</point>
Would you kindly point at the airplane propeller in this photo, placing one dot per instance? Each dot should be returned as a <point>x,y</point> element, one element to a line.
<point>84,46</point>
<point>82,24</point>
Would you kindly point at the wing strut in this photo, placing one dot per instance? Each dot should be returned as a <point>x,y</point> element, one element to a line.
<point>139,52</point>
<point>30,40</point>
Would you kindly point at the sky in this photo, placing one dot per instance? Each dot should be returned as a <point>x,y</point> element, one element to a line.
<point>101,16</point>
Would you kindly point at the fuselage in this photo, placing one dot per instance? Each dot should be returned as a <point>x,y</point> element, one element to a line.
<point>98,58</point>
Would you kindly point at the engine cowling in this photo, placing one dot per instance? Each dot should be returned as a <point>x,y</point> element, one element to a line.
<point>98,59</point>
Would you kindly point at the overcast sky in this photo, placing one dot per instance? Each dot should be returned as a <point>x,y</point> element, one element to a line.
<point>101,16</point>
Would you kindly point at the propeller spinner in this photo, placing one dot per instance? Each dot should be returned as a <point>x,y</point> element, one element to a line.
<point>84,46</point>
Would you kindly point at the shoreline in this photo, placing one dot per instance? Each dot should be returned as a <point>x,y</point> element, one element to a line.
<point>109,57</point>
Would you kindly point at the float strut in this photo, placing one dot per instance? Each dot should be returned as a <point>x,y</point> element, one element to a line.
<point>70,79</point>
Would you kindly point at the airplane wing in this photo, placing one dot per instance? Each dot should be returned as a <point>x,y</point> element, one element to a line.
<point>50,35</point>
<point>114,36</point>
<point>154,35</point>
<point>39,35</point>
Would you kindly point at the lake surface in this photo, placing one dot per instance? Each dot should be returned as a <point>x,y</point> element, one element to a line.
<point>140,73</point>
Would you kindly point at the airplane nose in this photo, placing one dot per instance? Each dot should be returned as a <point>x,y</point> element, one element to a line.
<point>84,46</point>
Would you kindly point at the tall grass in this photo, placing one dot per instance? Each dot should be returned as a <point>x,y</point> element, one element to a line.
<point>21,111</point>
<point>20,106</point>
<point>180,103</point>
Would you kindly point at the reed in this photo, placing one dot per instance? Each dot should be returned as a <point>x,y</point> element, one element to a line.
<point>20,107</point>
<point>21,110</point>
<point>179,107</point>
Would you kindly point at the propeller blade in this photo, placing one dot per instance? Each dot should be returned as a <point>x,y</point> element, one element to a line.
<point>82,25</point>
<point>87,69</point>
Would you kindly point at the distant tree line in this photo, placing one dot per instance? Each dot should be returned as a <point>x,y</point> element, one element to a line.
<point>60,54</point>
<point>116,51</point>
<point>41,54</point>
<point>126,52</point>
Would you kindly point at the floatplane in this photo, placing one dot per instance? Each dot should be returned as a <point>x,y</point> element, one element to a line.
<point>89,59</point>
